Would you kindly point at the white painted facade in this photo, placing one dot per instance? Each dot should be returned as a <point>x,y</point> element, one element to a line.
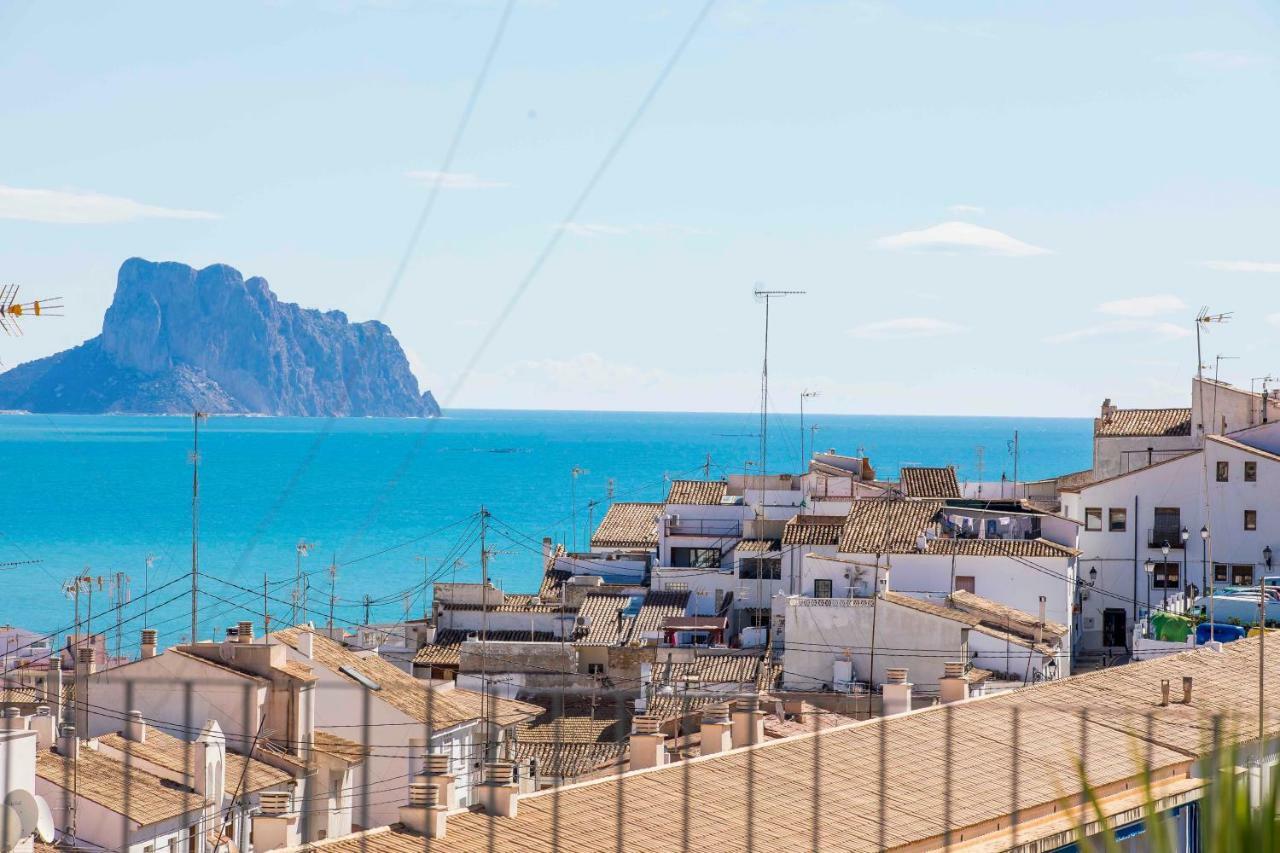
<point>1129,504</point>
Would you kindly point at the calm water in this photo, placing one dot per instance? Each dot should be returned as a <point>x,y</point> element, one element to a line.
<point>390,499</point>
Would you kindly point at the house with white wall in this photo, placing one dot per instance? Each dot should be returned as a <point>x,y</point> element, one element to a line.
<point>371,701</point>
<point>1129,520</point>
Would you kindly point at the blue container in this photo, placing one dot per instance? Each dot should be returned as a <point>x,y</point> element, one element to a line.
<point>1221,633</point>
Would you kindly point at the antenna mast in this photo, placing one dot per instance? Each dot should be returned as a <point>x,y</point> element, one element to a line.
<point>1203,319</point>
<point>196,417</point>
<point>767,296</point>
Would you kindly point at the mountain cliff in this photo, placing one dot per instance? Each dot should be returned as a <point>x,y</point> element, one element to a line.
<point>177,339</point>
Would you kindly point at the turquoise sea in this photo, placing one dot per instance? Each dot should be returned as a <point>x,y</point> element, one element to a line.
<point>391,501</point>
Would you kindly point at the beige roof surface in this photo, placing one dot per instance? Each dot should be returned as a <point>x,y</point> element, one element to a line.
<point>400,690</point>
<point>140,796</point>
<point>758,546</point>
<point>996,614</point>
<point>164,750</point>
<point>999,548</point>
<point>445,650</point>
<point>973,621</point>
<point>628,525</point>
<point>657,606</point>
<point>930,482</point>
<point>569,760</point>
<point>695,492</point>
<point>1145,422</point>
<point>886,525</point>
<point>330,744</point>
<point>605,627</point>
<point>813,530</point>
<point>1109,720</point>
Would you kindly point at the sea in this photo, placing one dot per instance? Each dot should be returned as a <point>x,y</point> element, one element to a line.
<point>371,511</point>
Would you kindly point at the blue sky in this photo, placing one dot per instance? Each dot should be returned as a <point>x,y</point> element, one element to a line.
<point>994,208</point>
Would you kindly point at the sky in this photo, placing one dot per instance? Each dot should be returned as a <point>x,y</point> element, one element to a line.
<point>992,208</point>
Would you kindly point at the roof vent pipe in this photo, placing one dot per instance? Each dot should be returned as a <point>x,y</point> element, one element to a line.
<point>148,648</point>
<point>1186,690</point>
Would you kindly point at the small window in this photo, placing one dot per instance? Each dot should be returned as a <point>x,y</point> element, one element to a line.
<point>1251,472</point>
<point>1242,575</point>
<point>1250,519</point>
<point>1222,472</point>
<point>760,568</point>
<point>965,583</point>
<point>822,587</point>
<point>1220,573</point>
<point>595,669</point>
<point>1117,519</point>
<point>1165,576</point>
<point>1093,518</point>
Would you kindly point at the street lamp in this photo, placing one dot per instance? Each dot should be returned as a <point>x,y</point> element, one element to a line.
<point>1150,567</point>
<point>1164,550</point>
<point>1185,535</point>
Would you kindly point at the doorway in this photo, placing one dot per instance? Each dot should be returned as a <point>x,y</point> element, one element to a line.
<point>1113,627</point>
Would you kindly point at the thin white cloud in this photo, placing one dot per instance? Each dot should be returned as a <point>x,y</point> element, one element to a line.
<point>961,237</point>
<point>1244,266</point>
<point>1145,330</point>
<point>70,207</point>
<point>1224,60</point>
<point>1143,306</point>
<point>906,327</point>
<point>962,209</point>
<point>456,180</point>
<point>601,229</point>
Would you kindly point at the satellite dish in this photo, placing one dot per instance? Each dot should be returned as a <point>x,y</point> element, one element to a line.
<point>10,828</point>
<point>44,823</point>
<point>24,803</point>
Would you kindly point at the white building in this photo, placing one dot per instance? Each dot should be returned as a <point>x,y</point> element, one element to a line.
<point>1128,519</point>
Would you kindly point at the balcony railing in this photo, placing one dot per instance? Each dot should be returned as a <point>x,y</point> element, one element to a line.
<point>1158,536</point>
<point>717,527</point>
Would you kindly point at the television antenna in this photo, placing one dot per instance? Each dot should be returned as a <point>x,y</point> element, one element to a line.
<point>11,309</point>
<point>767,296</point>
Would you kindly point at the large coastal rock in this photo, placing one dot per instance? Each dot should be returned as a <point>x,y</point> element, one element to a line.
<point>177,339</point>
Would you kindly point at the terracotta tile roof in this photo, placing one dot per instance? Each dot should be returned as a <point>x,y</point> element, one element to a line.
<point>605,627</point>
<point>1145,423</point>
<point>571,729</point>
<point>929,482</point>
<point>813,530</point>
<point>848,786</point>
<point>697,492</point>
<point>513,602</point>
<point>348,750</point>
<point>628,525</point>
<point>996,614</point>
<point>571,760</point>
<point>140,796</point>
<point>758,546</point>
<point>886,525</point>
<point>999,548</point>
<point>445,650</point>
<point>411,696</point>
<point>164,750</point>
<point>657,606</point>
<point>722,676</point>
<point>973,621</point>
<point>298,670</point>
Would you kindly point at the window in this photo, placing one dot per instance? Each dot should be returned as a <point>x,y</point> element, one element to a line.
<point>760,568</point>
<point>1222,472</point>
<point>695,558</point>
<point>1250,519</point>
<point>1165,576</point>
<point>1168,526</point>
<point>1093,518</point>
<point>1116,519</point>
<point>1251,472</point>
<point>595,669</point>
<point>1242,575</point>
<point>965,583</point>
<point>822,587</point>
<point>1220,573</point>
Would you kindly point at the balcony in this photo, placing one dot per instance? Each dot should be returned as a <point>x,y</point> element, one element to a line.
<point>1158,536</point>
<point>719,528</point>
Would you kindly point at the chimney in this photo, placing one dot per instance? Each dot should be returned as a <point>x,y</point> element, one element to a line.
<point>748,721</point>
<point>1164,693</point>
<point>895,693</point>
<point>273,826</point>
<point>1186,690</point>
<point>148,648</point>
<point>497,794</point>
<point>546,552</point>
<point>244,632</point>
<point>425,814</point>
<point>13,720</point>
<point>954,684</point>
<point>438,774</point>
<point>53,686</point>
<point>648,744</point>
<point>85,667</point>
<point>135,728</point>
<point>717,731</point>
<point>86,664</point>
<point>306,643</point>
<point>45,727</point>
<point>69,743</point>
